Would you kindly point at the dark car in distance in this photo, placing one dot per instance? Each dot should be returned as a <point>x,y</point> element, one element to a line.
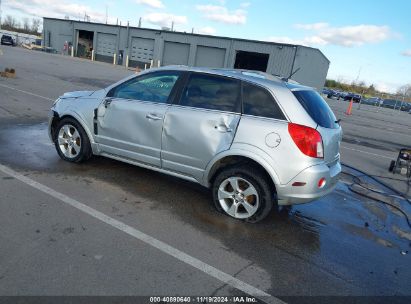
<point>7,40</point>
<point>336,94</point>
<point>354,97</point>
<point>333,94</point>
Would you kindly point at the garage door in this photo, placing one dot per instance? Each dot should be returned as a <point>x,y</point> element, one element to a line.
<point>106,47</point>
<point>175,53</point>
<point>142,51</point>
<point>210,57</point>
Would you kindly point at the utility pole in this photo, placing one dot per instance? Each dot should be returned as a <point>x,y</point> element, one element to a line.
<point>106,13</point>
<point>382,100</point>
<point>359,104</point>
<point>358,75</point>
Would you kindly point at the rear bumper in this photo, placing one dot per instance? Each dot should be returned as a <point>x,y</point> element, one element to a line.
<point>289,194</point>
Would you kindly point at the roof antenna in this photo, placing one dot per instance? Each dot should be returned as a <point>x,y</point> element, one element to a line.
<point>293,73</point>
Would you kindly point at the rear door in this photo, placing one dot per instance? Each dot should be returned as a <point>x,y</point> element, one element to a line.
<point>202,124</point>
<point>328,126</point>
<point>130,119</point>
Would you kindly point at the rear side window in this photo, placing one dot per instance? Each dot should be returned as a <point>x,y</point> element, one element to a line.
<point>258,101</point>
<point>317,108</point>
<point>212,92</point>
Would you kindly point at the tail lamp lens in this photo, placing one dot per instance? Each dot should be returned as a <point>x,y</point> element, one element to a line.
<point>307,139</point>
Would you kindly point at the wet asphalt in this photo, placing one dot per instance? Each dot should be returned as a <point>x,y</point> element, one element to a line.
<point>341,245</point>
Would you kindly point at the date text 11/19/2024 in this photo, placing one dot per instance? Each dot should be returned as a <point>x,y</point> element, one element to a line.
<point>205,299</point>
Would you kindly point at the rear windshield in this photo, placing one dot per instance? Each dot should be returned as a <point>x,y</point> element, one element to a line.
<point>317,108</point>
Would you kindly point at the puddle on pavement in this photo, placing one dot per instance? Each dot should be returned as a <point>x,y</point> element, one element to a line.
<point>302,227</point>
<point>28,147</point>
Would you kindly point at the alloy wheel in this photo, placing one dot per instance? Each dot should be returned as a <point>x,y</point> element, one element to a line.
<point>238,197</point>
<point>69,141</point>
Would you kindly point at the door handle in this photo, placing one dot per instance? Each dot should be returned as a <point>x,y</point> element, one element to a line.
<point>153,116</point>
<point>223,128</point>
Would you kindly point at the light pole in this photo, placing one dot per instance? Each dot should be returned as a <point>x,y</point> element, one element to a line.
<point>359,104</point>
<point>381,101</point>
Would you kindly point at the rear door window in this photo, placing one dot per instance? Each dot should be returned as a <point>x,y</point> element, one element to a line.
<point>317,108</point>
<point>212,92</point>
<point>258,101</point>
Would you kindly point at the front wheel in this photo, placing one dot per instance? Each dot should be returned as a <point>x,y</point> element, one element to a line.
<point>243,193</point>
<point>71,141</point>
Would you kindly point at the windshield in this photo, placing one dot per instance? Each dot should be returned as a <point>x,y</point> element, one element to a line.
<point>317,108</point>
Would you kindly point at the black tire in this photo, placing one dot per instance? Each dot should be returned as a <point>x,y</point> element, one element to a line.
<point>392,165</point>
<point>257,179</point>
<point>84,152</point>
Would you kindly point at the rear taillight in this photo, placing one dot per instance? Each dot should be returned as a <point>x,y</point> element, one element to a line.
<point>307,139</point>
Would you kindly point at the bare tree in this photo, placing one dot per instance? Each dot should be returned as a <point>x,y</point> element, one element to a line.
<point>35,25</point>
<point>10,22</point>
<point>26,24</point>
<point>404,90</point>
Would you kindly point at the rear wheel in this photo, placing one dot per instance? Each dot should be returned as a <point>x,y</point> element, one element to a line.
<point>242,193</point>
<point>71,141</point>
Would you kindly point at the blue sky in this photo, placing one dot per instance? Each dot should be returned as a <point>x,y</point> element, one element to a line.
<point>364,39</point>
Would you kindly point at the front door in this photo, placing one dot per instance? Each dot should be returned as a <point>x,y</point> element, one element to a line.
<point>201,125</point>
<point>130,119</point>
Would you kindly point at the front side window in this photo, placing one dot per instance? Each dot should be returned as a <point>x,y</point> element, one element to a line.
<point>155,87</point>
<point>212,92</point>
<point>258,101</point>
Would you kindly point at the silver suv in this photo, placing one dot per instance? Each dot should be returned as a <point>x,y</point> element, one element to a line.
<point>254,139</point>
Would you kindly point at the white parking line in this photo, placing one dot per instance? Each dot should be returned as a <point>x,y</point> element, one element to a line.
<point>25,92</point>
<point>174,252</point>
<point>365,152</point>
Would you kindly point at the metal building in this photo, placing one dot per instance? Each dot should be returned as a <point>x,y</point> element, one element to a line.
<point>135,46</point>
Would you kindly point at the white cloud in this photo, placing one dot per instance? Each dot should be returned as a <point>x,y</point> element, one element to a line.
<point>347,36</point>
<point>353,35</point>
<point>386,87</point>
<point>151,3</point>
<point>283,39</point>
<point>222,14</point>
<point>245,4</point>
<point>164,19</point>
<point>207,30</point>
<point>406,53</point>
<point>52,8</point>
<point>221,2</point>
<point>312,26</point>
